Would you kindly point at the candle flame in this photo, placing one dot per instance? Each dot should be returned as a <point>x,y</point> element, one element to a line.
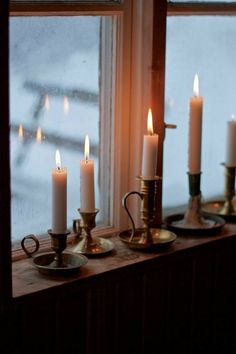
<point>47,103</point>
<point>39,135</point>
<point>66,105</point>
<point>149,122</point>
<point>58,159</point>
<point>86,148</point>
<point>20,132</point>
<point>196,86</point>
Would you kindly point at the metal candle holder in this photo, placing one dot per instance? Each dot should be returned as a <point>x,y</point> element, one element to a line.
<point>229,191</point>
<point>58,244</point>
<point>193,217</point>
<point>148,196</point>
<point>90,245</point>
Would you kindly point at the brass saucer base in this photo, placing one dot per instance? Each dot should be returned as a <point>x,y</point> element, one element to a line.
<point>96,246</point>
<point>212,225</point>
<point>160,237</point>
<point>71,263</point>
<point>216,207</point>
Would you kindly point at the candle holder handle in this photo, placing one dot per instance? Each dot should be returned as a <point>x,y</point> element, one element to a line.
<point>124,201</point>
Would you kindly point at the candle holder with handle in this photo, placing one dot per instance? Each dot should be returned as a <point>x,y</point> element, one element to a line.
<point>89,244</point>
<point>148,236</point>
<point>57,262</point>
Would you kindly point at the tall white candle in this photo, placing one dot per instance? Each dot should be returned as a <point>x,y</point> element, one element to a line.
<point>195,129</point>
<point>150,149</point>
<point>87,198</point>
<point>59,197</point>
<point>231,143</point>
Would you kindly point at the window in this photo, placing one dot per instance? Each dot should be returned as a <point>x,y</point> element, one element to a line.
<point>124,29</point>
<point>200,39</point>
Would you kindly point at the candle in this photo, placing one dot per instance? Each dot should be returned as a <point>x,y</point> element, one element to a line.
<point>59,197</point>
<point>150,149</point>
<point>195,129</point>
<point>87,203</point>
<point>231,143</point>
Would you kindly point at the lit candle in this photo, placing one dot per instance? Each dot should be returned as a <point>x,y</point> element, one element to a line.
<point>59,197</point>
<point>87,203</point>
<point>150,149</point>
<point>231,143</point>
<point>195,129</point>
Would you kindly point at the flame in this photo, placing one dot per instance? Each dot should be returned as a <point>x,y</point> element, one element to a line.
<point>47,103</point>
<point>86,148</point>
<point>66,105</point>
<point>20,132</point>
<point>39,135</point>
<point>196,86</point>
<point>58,159</point>
<point>149,122</point>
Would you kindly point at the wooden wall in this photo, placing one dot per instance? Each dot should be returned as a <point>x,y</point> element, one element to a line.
<point>181,302</point>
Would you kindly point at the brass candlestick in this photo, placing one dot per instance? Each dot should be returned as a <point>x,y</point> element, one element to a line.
<point>148,195</point>
<point>229,191</point>
<point>90,245</point>
<point>58,244</point>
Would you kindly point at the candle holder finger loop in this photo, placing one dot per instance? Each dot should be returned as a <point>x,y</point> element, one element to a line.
<point>124,203</point>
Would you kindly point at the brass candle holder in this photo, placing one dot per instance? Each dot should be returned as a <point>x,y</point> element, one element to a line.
<point>89,244</point>
<point>229,191</point>
<point>148,236</point>
<point>58,244</point>
<point>57,262</point>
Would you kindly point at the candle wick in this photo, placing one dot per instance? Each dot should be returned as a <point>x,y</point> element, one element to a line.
<point>58,168</point>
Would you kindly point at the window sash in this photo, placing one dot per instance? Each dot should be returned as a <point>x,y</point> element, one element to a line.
<point>201,9</point>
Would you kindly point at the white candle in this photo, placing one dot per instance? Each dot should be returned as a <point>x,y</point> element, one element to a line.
<point>231,144</point>
<point>87,202</point>
<point>59,197</point>
<point>150,149</point>
<point>195,129</point>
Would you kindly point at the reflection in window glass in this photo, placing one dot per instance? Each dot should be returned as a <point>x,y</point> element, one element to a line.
<point>206,46</point>
<point>54,73</point>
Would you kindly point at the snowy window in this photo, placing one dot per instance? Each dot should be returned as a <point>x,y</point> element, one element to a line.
<point>204,45</point>
<point>55,102</point>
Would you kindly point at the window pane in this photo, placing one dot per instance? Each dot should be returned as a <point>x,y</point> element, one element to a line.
<point>54,76</point>
<point>206,46</point>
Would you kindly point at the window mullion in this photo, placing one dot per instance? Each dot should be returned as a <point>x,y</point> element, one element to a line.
<point>5,234</point>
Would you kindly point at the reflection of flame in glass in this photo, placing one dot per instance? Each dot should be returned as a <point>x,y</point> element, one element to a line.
<point>66,105</point>
<point>39,135</point>
<point>46,103</point>
<point>20,132</point>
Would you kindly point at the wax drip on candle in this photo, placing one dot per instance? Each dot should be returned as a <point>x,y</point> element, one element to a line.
<point>58,160</point>
<point>196,86</point>
<point>86,149</point>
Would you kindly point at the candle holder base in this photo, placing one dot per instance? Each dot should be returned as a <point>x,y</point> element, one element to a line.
<point>90,245</point>
<point>160,238</point>
<point>216,207</point>
<point>56,262</point>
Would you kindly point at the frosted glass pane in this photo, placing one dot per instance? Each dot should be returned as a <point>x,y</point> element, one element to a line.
<point>54,77</point>
<point>207,46</point>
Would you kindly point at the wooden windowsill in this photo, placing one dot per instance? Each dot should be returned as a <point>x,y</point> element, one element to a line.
<point>27,281</point>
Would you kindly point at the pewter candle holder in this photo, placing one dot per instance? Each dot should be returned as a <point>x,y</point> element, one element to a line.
<point>229,191</point>
<point>89,244</point>
<point>58,245</point>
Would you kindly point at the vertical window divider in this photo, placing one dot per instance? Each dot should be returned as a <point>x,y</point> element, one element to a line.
<point>5,219</point>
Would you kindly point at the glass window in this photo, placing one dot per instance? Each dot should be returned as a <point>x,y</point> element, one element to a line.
<point>204,45</point>
<point>54,94</point>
